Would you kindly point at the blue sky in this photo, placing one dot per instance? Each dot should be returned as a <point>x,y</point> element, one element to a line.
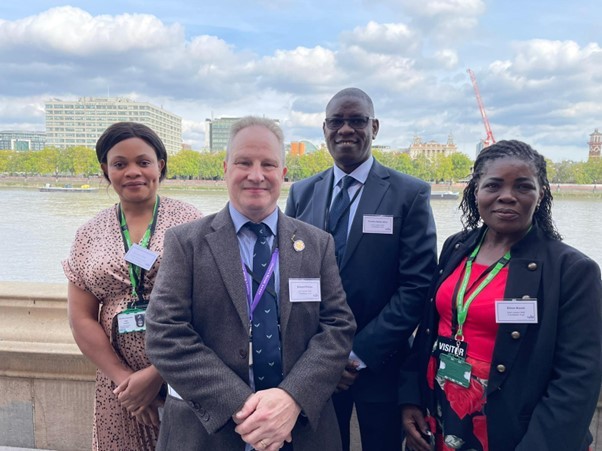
<point>538,64</point>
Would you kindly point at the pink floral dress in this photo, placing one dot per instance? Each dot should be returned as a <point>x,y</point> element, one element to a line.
<point>96,264</point>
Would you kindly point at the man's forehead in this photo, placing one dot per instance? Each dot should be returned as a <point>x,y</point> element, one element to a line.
<point>347,102</point>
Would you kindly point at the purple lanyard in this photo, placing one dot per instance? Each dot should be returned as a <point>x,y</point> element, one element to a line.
<point>262,286</point>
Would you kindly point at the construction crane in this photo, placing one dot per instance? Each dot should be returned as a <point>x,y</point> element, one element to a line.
<point>489,139</point>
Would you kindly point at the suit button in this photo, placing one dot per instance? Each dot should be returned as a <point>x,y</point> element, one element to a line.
<point>440,271</point>
<point>501,368</point>
<point>242,353</point>
<point>457,246</point>
<point>431,300</point>
<point>532,266</point>
<point>428,331</point>
<point>195,405</point>
<point>515,334</point>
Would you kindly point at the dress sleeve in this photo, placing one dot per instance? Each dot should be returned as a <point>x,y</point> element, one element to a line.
<point>72,264</point>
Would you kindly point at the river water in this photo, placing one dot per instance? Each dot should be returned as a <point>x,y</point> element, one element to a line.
<point>36,229</point>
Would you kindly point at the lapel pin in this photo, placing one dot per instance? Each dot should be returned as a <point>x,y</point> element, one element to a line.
<point>298,245</point>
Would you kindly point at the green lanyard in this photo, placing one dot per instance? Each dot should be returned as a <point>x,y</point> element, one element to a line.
<point>136,272</point>
<point>461,306</point>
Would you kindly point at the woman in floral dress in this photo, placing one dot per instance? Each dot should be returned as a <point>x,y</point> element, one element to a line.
<point>107,290</point>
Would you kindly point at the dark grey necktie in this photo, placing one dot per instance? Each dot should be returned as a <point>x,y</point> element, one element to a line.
<point>267,360</point>
<point>338,220</point>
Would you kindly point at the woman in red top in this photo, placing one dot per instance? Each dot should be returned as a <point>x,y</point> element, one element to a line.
<point>508,355</point>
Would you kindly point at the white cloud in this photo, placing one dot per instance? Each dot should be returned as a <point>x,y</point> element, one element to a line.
<point>301,66</point>
<point>390,38</point>
<point>544,57</point>
<point>73,31</point>
<point>444,8</point>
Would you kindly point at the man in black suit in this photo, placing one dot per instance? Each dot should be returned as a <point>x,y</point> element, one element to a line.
<point>386,249</point>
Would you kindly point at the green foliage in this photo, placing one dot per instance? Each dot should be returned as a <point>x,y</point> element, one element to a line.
<point>461,166</point>
<point>300,167</point>
<point>189,164</point>
<point>5,157</point>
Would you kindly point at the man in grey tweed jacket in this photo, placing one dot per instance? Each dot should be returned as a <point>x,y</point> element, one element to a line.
<point>198,318</point>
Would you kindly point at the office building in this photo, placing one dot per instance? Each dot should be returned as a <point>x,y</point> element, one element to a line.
<point>22,140</point>
<point>217,132</point>
<point>81,122</point>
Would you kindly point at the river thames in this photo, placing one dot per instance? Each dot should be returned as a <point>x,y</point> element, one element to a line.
<point>36,228</point>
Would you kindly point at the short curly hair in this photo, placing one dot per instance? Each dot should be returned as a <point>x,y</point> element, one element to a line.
<point>509,149</point>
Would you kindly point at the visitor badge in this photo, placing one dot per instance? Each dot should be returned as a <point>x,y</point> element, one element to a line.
<point>131,320</point>
<point>378,224</point>
<point>516,311</point>
<point>141,256</point>
<point>304,290</point>
<point>451,346</point>
<point>454,369</point>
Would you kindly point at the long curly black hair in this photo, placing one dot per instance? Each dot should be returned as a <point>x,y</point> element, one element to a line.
<point>510,149</point>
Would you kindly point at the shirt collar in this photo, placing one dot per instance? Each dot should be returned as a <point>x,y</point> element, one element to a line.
<point>240,220</point>
<point>360,173</point>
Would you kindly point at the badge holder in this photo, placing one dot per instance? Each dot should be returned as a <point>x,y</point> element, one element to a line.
<point>133,318</point>
<point>454,369</point>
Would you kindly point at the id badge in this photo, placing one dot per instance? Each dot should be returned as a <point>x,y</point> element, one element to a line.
<point>131,320</point>
<point>454,369</point>
<point>451,346</point>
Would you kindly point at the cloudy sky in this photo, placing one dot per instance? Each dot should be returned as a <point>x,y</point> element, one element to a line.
<point>538,64</point>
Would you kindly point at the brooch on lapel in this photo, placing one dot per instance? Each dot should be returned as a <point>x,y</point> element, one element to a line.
<point>298,245</point>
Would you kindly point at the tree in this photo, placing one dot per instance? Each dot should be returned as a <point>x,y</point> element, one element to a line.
<point>185,163</point>
<point>5,160</point>
<point>48,161</point>
<point>442,168</point>
<point>422,168</point>
<point>212,165</point>
<point>551,170</point>
<point>461,166</point>
<point>84,161</point>
<point>593,170</point>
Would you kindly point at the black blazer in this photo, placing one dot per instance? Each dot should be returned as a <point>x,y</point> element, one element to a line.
<point>545,378</point>
<point>385,277</point>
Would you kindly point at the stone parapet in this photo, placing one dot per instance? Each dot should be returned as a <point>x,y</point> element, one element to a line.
<point>46,384</point>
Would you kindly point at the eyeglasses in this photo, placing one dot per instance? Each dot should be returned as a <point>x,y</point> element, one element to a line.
<point>356,122</point>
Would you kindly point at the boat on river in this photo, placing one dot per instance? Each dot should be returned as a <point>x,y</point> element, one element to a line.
<point>446,195</point>
<point>48,188</point>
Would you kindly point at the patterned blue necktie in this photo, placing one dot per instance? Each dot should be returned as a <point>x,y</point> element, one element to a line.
<point>338,221</point>
<point>267,360</point>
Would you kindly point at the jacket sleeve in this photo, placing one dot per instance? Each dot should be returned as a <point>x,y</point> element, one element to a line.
<point>412,374</point>
<point>561,418</point>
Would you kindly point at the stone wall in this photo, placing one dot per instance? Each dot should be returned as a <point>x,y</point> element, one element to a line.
<point>46,385</point>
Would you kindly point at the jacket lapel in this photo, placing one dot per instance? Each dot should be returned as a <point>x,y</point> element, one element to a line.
<point>374,190</point>
<point>289,266</point>
<point>224,247</point>
<point>322,189</point>
<point>524,277</point>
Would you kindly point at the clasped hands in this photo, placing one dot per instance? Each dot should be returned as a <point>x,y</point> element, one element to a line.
<point>138,394</point>
<point>267,418</point>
